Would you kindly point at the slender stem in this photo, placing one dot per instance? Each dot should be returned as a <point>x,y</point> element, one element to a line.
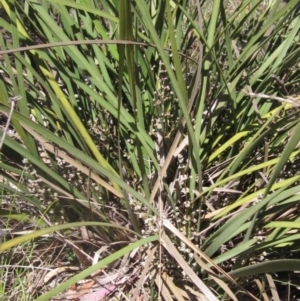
<point>13,101</point>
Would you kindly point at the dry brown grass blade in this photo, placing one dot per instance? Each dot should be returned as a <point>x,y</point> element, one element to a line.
<point>164,292</point>
<point>86,42</point>
<point>172,287</point>
<point>12,101</point>
<point>160,151</point>
<point>261,288</point>
<point>191,294</point>
<point>164,168</point>
<point>290,100</point>
<point>213,275</point>
<point>175,231</point>
<point>167,243</point>
<point>272,287</point>
<point>181,146</point>
<point>53,149</point>
<point>142,278</point>
<point>184,294</point>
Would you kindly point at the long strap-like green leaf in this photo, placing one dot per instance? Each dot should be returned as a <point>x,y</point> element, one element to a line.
<point>125,32</point>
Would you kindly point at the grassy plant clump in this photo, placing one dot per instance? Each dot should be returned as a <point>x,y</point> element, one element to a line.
<point>154,150</point>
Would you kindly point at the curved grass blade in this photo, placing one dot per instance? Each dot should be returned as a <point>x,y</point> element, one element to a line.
<point>18,240</point>
<point>87,272</point>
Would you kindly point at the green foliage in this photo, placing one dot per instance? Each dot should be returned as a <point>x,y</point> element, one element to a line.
<point>159,109</point>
